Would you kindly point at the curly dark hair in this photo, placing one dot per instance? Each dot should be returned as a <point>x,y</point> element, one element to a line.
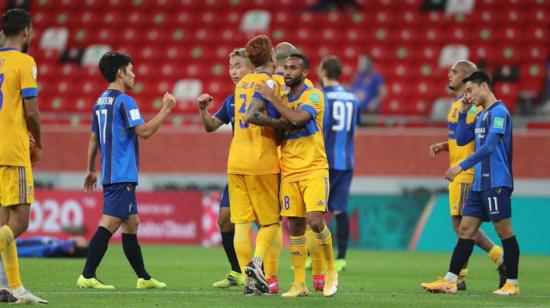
<point>259,50</point>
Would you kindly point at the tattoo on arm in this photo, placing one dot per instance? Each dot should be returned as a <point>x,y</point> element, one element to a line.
<point>255,113</point>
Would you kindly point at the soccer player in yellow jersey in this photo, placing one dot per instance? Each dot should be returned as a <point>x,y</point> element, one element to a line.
<point>304,172</point>
<point>282,51</point>
<point>460,187</point>
<point>19,116</point>
<point>253,165</point>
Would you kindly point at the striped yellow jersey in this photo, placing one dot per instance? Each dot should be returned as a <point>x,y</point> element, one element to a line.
<point>17,81</point>
<point>303,148</point>
<point>459,153</point>
<point>253,148</point>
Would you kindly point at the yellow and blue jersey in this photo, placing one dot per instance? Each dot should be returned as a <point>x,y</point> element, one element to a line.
<point>303,148</point>
<point>459,153</point>
<point>114,117</point>
<point>17,82</point>
<point>341,115</point>
<point>253,148</point>
<point>280,78</point>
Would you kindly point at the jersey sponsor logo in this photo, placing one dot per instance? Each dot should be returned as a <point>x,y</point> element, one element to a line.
<point>498,123</point>
<point>480,130</point>
<point>314,98</point>
<point>134,114</point>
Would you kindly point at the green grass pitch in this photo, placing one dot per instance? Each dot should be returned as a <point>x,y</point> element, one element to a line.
<point>373,279</point>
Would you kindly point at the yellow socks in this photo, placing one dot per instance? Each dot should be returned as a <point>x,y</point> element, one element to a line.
<point>11,266</point>
<point>496,255</point>
<point>264,240</point>
<point>298,255</point>
<point>6,237</point>
<point>271,263</point>
<point>463,272</point>
<point>324,241</point>
<point>317,264</point>
<point>243,244</point>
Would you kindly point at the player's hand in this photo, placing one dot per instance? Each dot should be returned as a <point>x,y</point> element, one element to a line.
<point>467,102</point>
<point>267,92</point>
<point>204,100</point>
<point>435,149</point>
<point>36,155</point>
<point>453,172</point>
<point>168,101</point>
<point>90,182</point>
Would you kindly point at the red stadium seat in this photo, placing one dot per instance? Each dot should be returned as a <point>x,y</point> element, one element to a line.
<point>393,105</point>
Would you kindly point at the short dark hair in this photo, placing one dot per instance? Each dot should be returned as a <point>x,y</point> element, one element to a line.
<point>332,67</point>
<point>14,21</point>
<point>111,62</point>
<point>300,56</point>
<point>479,77</point>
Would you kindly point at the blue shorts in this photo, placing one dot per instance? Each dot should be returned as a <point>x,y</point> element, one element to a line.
<point>489,205</point>
<point>340,182</point>
<point>224,201</point>
<point>119,200</point>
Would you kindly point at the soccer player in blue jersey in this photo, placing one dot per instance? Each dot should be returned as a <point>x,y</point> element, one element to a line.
<point>489,198</point>
<point>239,66</point>
<point>116,126</point>
<point>341,115</point>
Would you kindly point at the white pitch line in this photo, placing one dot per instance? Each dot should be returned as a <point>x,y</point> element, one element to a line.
<point>229,293</point>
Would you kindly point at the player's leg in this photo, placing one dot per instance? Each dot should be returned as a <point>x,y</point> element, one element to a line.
<point>5,294</point>
<point>293,207</point>
<point>474,214</point>
<point>317,260</point>
<point>227,231</point>
<point>315,193</point>
<point>16,195</point>
<point>340,182</point>
<point>133,253</point>
<point>271,264</point>
<point>242,216</point>
<point>265,202</point>
<point>500,211</point>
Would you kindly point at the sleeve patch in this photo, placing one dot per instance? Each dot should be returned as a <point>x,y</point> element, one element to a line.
<point>314,98</point>
<point>498,123</point>
<point>134,114</point>
<point>34,72</point>
<point>271,83</point>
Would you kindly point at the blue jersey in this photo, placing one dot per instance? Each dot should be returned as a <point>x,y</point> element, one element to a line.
<point>493,139</point>
<point>114,117</point>
<point>226,113</point>
<point>44,246</point>
<point>341,115</point>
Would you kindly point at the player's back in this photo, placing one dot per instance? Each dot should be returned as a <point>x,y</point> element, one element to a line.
<point>17,81</point>
<point>341,116</point>
<point>303,148</point>
<point>115,115</point>
<point>253,148</point>
<point>459,153</point>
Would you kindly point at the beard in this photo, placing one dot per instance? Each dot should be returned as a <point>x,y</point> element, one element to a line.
<point>294,82</point>
<point>25,47</point>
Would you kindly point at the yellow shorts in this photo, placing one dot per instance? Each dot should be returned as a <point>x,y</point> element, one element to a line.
<point>309,194</point>
<point>254,198</point>
<point>458,192</point>
<point>16,185</point>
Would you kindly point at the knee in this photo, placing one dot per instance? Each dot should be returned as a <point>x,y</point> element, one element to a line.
<point>465,231</point>
<point>504,233</point>
<point>21,227</point>
<point>317,224</point>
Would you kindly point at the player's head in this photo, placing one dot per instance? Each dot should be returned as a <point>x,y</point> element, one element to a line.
<point>365,63</point>
<point>478,85</point>
<point>116,66</point>
<point>282,51</point>
<point>239,65</point>
<point>296,66</point>
<point>260,52</point>
<point>330,69</point>
<point>17,24</point>
<point>460,70</point>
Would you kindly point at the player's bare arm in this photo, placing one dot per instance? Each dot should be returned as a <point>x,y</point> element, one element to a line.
<point>90,179</point>
<point>295,117</point>
<point>257,116</point>
<point>32,116</point>
<point>437,148</point>
<point>453,172</point>
<point>150,128</point>
<point>210,123</point>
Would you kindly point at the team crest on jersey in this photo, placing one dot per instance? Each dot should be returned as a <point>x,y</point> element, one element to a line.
<point>314,98</point>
